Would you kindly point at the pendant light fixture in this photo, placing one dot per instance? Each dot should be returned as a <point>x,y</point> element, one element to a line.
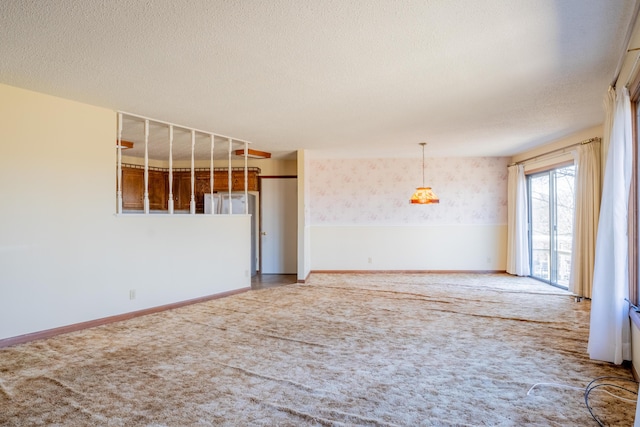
<point>424,195</point>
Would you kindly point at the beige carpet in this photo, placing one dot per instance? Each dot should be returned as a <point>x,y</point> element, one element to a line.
<point>410,350</point>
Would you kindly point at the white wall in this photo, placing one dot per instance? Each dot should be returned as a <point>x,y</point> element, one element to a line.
<point>65,257</point>
<point>449,247</point>
<point>304,231</point>
<point>360,210</point>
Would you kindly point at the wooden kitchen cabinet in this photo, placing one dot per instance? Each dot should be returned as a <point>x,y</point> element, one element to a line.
<point>133,187</point>
<point>238,181</point>
<point>221,181</point>
<point>181,190</point>
<point>158,190</point>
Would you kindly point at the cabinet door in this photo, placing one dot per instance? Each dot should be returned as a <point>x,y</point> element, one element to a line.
<point>181,190</point>
<point>132,189</point>
<point>238,181</point>
<point>158,190</point>
<point>221,181</point>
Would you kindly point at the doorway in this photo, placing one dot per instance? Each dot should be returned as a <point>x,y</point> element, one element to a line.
<point>551,213</point>
<point>279,225</point>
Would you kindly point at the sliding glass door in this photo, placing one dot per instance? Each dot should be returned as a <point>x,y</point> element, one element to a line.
<point>551,207</point>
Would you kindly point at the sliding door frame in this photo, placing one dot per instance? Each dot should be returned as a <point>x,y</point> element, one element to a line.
<point>553,222</point>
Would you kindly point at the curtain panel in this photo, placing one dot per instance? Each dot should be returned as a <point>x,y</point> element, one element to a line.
<point>609,104</point>
<point>587,213</point>
<point>517,219</point>
<point>609,334</point>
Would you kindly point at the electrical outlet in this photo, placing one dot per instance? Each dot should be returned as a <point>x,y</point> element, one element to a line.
<point>369,260</point>
<point>132,294</point>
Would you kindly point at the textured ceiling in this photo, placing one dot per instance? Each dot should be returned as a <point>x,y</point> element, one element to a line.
<point>365,78</point>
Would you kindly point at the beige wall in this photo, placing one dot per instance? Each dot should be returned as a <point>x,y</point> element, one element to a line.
<point>65,257</point>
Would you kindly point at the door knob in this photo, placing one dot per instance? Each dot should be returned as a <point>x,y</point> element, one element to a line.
<point>264,233</point>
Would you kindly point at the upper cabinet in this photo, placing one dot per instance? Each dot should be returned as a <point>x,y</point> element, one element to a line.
<point>133,187</point>
<point>158,190</point>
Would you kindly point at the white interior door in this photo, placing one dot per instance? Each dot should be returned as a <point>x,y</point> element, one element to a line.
<point>279,233</point>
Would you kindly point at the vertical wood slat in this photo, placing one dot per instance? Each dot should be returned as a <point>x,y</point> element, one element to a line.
<point>170,205</point>
<point>192,203</point>
<point>211,177</point>
<point>146,166</point>
<point>119,172</point>
<point>230,179</point>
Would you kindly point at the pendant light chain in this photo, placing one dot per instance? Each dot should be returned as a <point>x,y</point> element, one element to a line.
<point>423,144</point>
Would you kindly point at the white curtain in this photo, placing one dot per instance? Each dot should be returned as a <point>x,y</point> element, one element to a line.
<point>609,335</point>
<point>517,211</point>
<point>587,212</point>
<point>609,106</point>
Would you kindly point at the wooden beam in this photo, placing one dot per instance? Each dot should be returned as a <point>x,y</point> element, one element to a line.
<point>254,154</point>
<point>125,144</point>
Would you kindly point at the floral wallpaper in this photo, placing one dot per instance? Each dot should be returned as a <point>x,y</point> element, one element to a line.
<point>472,191</point>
